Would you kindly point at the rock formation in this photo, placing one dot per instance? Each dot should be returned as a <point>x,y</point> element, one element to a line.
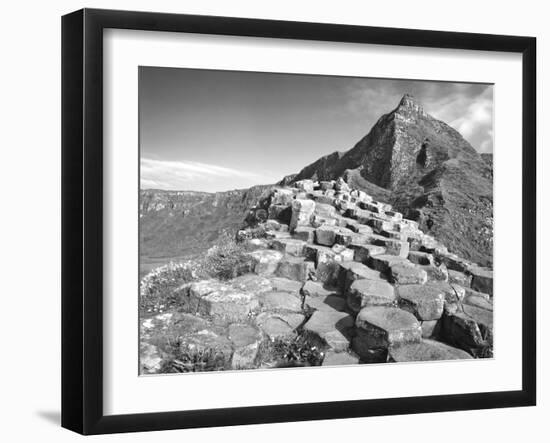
<point>336,270</point>
<point>425,169</point>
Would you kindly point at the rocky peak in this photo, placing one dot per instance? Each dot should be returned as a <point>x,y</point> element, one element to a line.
<point>409,104</point>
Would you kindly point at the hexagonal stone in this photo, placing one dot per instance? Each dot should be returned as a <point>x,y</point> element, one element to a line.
<point>279,325</point>
<point>251,283</point>
<point>302,210</point>
<point>344,253</point>
<point>376,239</point>
<point>320,220</point>
<point>425,302</point>
<point>304,233</point>
<point>326,200</point>
<point>394,247</point>
<point>430,328</point>
<point>327,303</point>
<point>344,238</point>
<point>463,331</point>
<point>459,291</point>
<point>327,273</point>
<point>333,358</point>
<point>484,320</point>
<point>406,274</point>
<point>364,230</point>
<point>470,291</point>
<point>383,262</point>
<point>379,327</point>
<point>478,301</point>
<point>280,301</point>
<point>436,272</point>
<point>460,278</point>
<point>482,280</point>
<point>452,293</point>
<point>349,223</point>
<point>245,357</point>
<point>454,262</point>
<point>243,334</point>
<point>246,340</point>
<point>364,252</point>
<point>266,261</point>
<point>285,285</point>
<point>351,271</point>
<point>332,328</point>
<point>379,224</point>
<point>316,289</point>
<point>289,246</point>
<point>326,235</point>
<point>420,258</point>
<point>325,209</point>
<point>313,252</point>
<point>367,292</point>
<point>215,299</point>
<point>326,259</point>
<point>426,350</point>
<point>295,268</point>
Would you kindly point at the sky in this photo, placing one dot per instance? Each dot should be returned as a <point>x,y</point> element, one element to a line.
<point>207,130</point>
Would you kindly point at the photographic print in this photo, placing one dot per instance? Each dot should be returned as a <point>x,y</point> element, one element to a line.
<point>291,220</point>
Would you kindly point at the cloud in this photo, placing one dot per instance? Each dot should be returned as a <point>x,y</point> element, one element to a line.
<point>470,112</point>
<point>187,175</point>
<point>466,107</point>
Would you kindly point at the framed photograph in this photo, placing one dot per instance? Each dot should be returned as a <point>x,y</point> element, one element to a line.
<point>268,221</point>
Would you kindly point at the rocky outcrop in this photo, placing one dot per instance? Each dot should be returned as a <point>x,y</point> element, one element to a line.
<point>344,277</point>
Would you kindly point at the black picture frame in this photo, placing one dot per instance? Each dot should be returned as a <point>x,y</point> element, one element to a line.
<point>82,218</point>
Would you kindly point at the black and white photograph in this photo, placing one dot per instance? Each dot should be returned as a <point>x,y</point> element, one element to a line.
<point>291,220</point>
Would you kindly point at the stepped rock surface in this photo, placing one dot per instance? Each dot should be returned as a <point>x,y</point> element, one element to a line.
<point>365,285</point>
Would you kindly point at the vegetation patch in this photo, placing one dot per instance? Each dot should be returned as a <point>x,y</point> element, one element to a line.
<point>194,359</point>
<point>225,260</point>
<point>291,352</point>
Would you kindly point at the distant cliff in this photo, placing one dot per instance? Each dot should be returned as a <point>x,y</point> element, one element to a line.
<point>186,223</point>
